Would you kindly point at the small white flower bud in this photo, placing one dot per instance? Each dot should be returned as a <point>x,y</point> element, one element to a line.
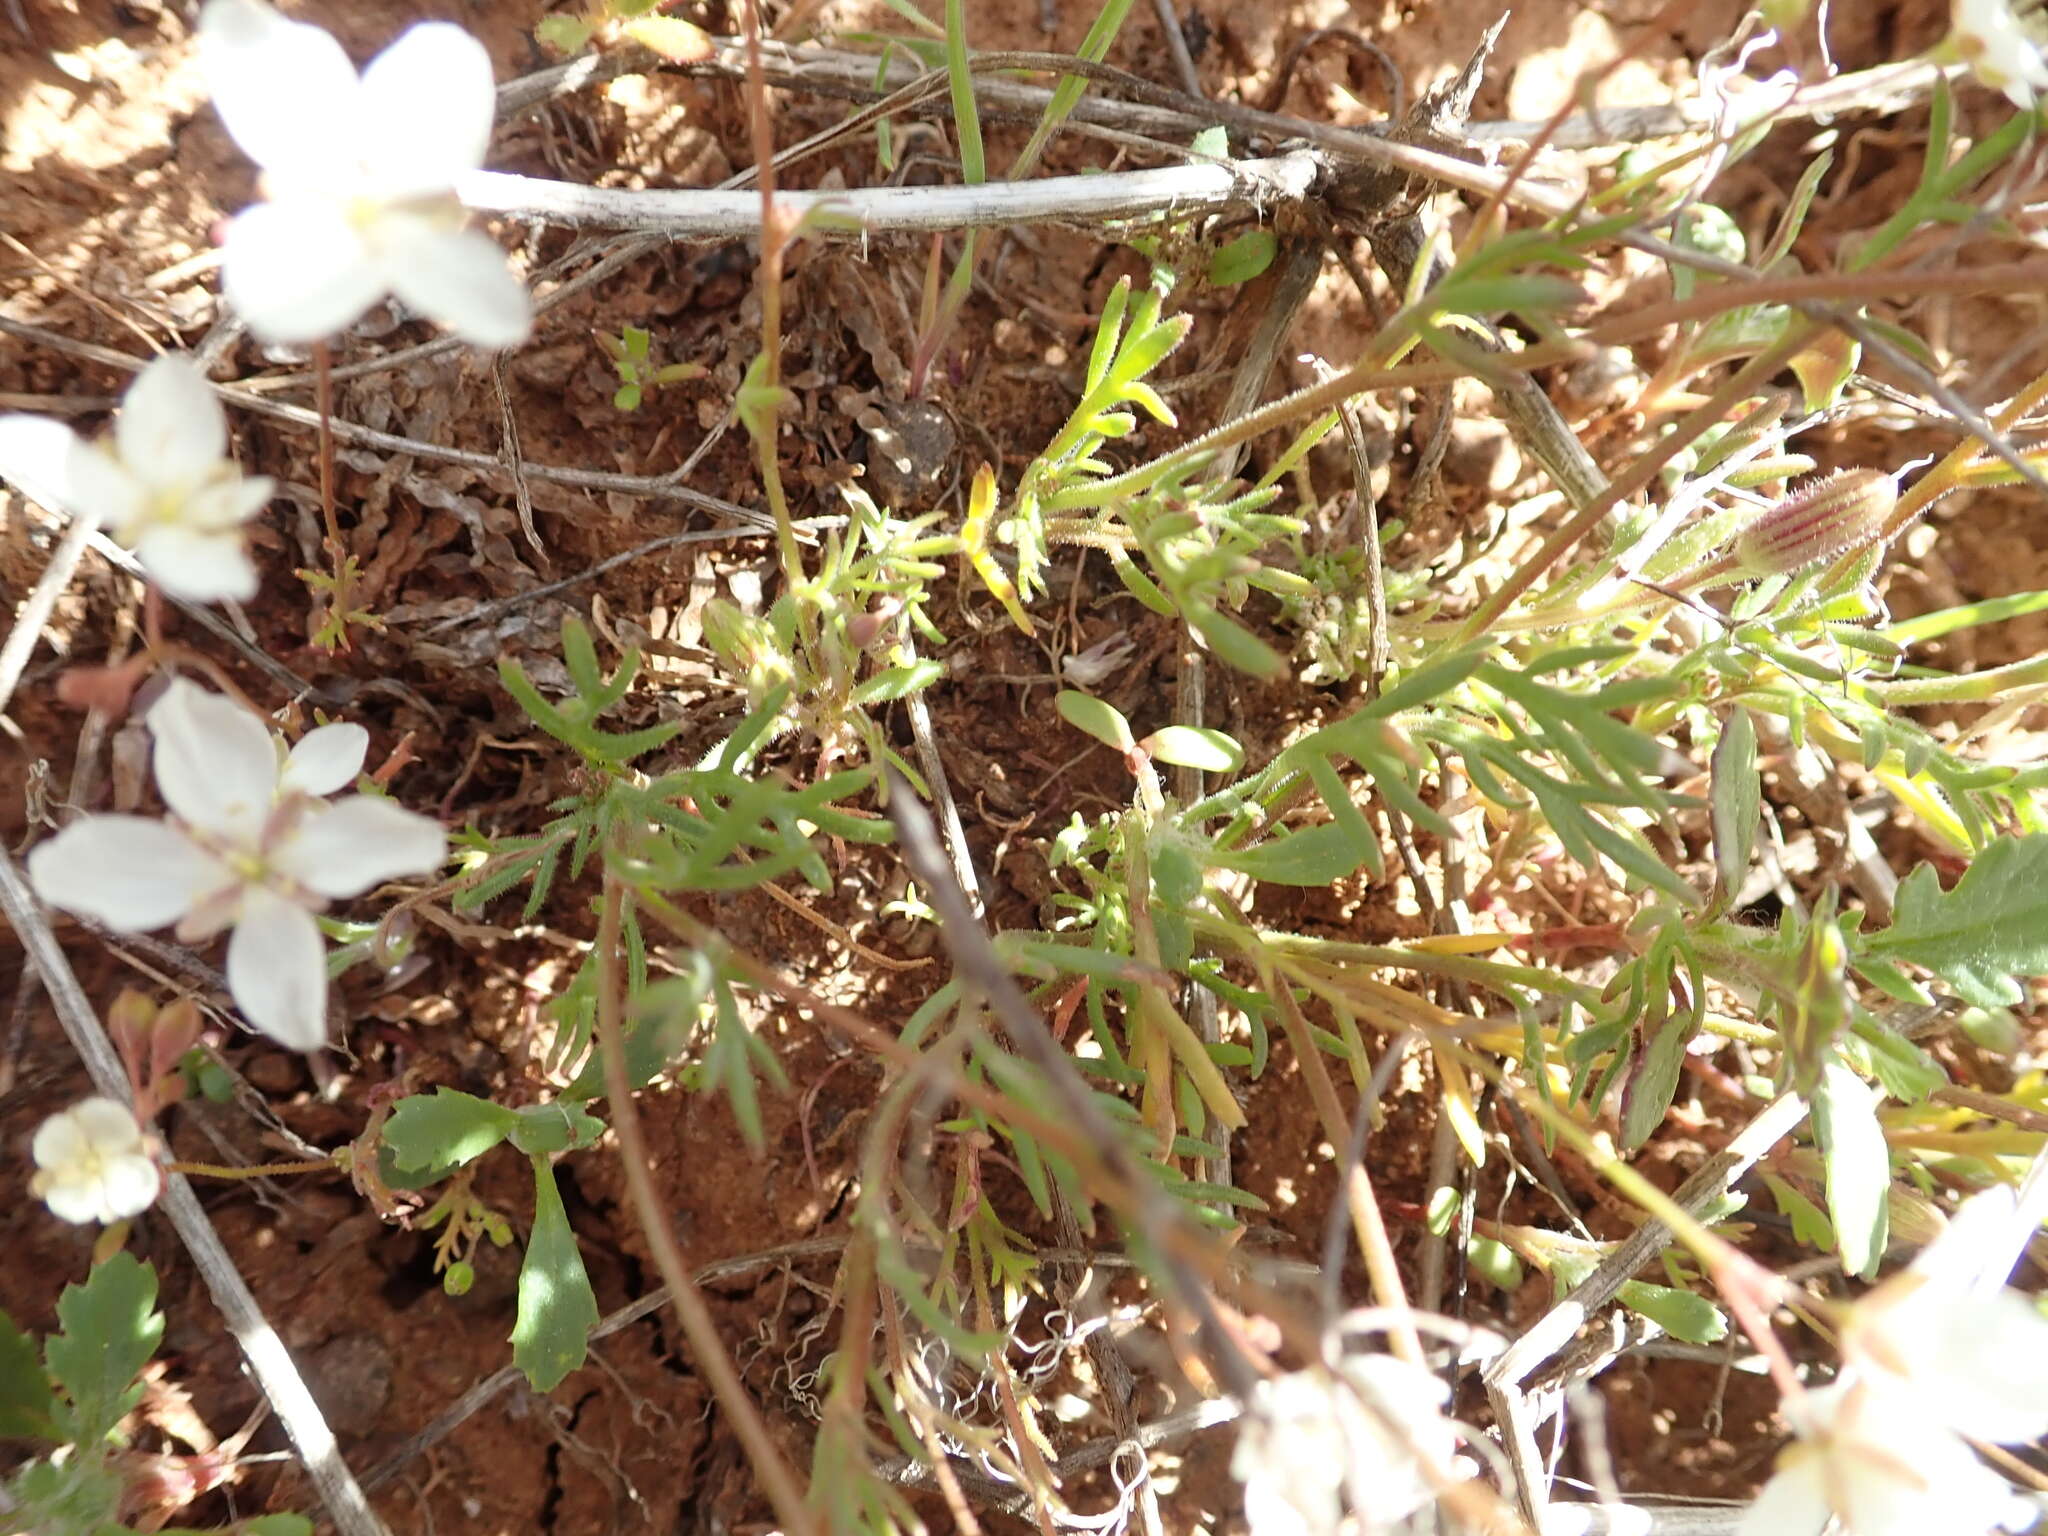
<point>93,1163</point>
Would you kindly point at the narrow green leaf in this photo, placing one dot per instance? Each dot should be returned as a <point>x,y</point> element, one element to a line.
<point>1818,1007</point>
<point>1737,801</point>
<point>1932,626</point>
<point>1679,1313</point>
<point>1235,644</point>
<point>1193,746</point>
<point>1091,715</point>
<point>898,682</point>
<point>960,80</point>
<point>1108,334</point>
<point>557,1308</point>
<point>1653,1080</point>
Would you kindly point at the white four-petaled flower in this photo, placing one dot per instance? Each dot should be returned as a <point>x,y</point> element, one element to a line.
<point>251,843</point>
<point>162,483</point>
<point>1996,45</point>
<point>1939,1351</point>
<point>1308,1440</point>
<point>93,1163</point>
<point>359,174</point>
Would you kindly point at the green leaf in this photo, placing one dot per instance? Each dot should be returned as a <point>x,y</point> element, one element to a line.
<point>898,682</point>
<point>563,33</point>
<point>1213,141</point>
<point>966,113</point>
<point>1236,644</point>
<point>26,1402</point>
<point>1810,1224</point>
<point>1103,721</point>
<point>1990,928</point>
<point>1901,1068</point>
<point>277,1525</point>
<point>447,1130</point>
<point>111,1328</point>
<point>668,1011</point>
<point>1313,856</point>
<point>1737,802</point>
<point>1494,1262</point>
<point>1241,260</point>
<point>1194,746</point>
<point>557,1308</point>
<point>1653,1078</point>
<point>563,1126</point>
<point>1679,1313</point>
<point>1817,1007</point>
<point>1996,610</point>
<point>1859,1167</point>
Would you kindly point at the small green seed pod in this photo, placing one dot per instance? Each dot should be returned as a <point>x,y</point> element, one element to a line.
<point>1821,519</point>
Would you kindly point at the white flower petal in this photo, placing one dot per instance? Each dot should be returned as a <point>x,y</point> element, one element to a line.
<point>326,759</point>
<point>227,503</point>
<point>1793,1502</point>
<point>286,91</point>
<point>60,1141</point>
<point>1987,1369</point>
<point>108,1124</point>
<point>456,277</point>
<point>130,872</point>
<point>345,848</point>
<point>78,1201</point>
<point>1913,1486</point>
<point>298,271</point>
<point>428,101</point>
<point>216,763</point>
<point>50,464</point>
<point>171,430</point>
<point>277,971</point>
<point>197,565</point>
<point>129,1185</point>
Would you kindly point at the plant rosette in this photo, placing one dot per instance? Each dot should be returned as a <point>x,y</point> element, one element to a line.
<point>162,483</point>
<point>359,177</point>
<point>251,843</point>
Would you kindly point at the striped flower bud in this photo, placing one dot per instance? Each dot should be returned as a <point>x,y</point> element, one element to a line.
<point>1821,519</point>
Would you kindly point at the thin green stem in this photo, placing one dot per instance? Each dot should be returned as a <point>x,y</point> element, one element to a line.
<point>260,1171</point>
<point>778,1480</point>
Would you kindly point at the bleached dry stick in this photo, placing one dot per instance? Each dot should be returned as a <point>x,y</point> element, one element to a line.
<point>269,1361</point>
<point>1550,1333</point>
<point>702,214</point>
